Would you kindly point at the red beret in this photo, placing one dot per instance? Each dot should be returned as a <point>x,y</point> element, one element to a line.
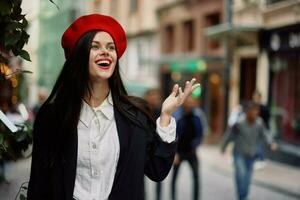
<point>94,22</point>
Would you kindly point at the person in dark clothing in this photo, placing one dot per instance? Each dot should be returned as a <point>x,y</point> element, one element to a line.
<point>264,111</point>
<point>91,140</point>
<point>190,133</point>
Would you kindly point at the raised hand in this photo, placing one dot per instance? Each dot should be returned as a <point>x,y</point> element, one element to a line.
<point>175,100</point>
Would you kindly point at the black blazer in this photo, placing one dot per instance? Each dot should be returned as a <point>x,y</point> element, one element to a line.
<point>54,157</point>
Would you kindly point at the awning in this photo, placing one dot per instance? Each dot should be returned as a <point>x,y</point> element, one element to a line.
<point>229,30</point>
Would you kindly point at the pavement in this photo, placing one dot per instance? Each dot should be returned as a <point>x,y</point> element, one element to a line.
<point>271,176</point>
<point>275,176</point>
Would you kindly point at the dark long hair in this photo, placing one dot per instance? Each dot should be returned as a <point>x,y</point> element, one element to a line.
<point>73,84</point>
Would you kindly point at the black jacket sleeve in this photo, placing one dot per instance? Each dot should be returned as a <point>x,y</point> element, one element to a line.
<point>39,183</point>
<point>159,154</point>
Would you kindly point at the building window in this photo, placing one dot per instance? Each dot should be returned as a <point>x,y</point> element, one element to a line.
<point>212,20</point>
<point>189,36</point>
<point>169,39</point>
<point>133,6</point>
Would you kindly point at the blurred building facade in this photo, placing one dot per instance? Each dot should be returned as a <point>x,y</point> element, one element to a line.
<point>280,39</point>
<point>263,53</point>
<point>32,8</point>
<point>53,22</point>
<point>186,53</point>
<point>232,50</point>
<point>46,25</point>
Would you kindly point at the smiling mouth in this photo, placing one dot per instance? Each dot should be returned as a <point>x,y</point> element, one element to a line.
<point>103,64</point>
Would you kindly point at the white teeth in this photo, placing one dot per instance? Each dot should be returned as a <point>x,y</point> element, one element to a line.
<point>103,62</point>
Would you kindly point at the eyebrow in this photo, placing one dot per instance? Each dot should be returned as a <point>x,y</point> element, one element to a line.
<point>107,43</point>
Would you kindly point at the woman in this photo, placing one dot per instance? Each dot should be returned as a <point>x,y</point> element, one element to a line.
<point>92,140</point>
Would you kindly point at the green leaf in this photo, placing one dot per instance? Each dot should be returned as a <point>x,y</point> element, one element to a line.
<point>24,22</point>
<point>24,54</point>
<point>19,46</point>
<point>15,51</point>
<point>13,26</point>
<point>24,37</point>
<point>5,7</point>
<point>17,10</point>
<point>17,17</point>
<point>10,39</point>
<point>22,197</point>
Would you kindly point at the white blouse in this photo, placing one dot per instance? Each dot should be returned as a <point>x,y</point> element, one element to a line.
<point>99,149</point>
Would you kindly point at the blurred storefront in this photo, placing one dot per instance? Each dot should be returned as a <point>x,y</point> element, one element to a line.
<point>262,40</point>
<point>283,47</point>
<point>186,54</point>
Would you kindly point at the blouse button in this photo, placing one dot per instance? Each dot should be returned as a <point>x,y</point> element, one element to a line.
<point>96,173</point>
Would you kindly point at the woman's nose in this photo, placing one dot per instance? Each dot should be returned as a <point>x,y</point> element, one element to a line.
<point>103,51</point>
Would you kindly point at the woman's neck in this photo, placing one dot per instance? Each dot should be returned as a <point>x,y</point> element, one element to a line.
<point>99,92</point>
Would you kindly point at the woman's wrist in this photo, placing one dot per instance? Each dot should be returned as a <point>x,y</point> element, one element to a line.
<point>165,119</point>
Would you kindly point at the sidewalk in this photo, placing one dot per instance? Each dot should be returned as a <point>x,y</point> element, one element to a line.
<point>273,175</point>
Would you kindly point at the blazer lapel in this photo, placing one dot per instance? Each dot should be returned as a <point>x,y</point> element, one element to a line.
<point>124,129</point>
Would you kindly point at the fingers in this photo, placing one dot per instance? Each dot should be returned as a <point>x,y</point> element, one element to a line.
<point>174,90</point>
<point>180,92</point>
<point>189,86</point>
<point>181,95</point>
<point>195,86</point>
<point>193,81</point>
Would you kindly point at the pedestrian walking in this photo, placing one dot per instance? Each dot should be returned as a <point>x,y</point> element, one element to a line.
<point>190,131</point>
<point>246,134</point>
<point>91,140</point>
<point>264,111</point>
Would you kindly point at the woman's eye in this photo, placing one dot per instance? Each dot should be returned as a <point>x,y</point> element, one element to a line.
<point>95,47</point>
<point>111,48</point>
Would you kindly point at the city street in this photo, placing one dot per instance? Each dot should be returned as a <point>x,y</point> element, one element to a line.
<point>215,186</point>
<point>227,70</point>
<point>217,182</point>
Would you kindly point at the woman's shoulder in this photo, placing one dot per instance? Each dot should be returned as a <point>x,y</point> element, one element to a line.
<point>46,112</point>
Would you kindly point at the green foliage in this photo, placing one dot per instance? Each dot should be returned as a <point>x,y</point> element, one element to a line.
<point>22,197</point>
<point>12,144</point>
<point>13,35</point>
